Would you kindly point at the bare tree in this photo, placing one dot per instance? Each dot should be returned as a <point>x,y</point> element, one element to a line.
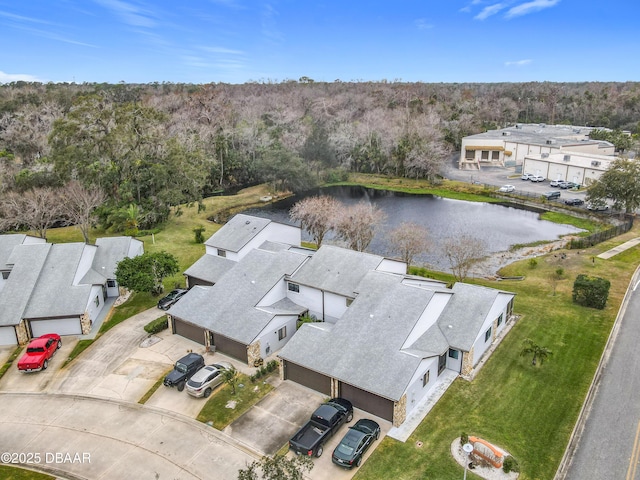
<point>317,215</point>
<point>408,240</point>
<point>37,209</point>
<point>463,251</point>
<point>356,225</point>
<point>79,205</point>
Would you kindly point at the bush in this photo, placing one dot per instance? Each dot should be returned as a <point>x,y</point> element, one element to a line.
<point>272,365</point>
<point>336,175</point>
<point>157,325</point>
<point>199,234</point>
<point>510,465</point>
<point>533,263</point>
<point>464,438</point>
<point>591,291</point>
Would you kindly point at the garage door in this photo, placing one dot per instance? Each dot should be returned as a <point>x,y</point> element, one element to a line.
<point>367,401</point>
<point>61,326</point>
<point>188,330</point>
<point>230,347</point>
<point>8,336</point>
<point>309,378</point>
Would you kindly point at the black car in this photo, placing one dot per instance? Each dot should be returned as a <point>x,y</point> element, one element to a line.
<point>165,302</point>
<point>573,201</point>
<point>183,370</point>
<point>355,443</point>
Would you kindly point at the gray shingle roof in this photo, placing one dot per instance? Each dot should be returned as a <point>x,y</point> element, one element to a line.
<point>11,240</point>
<point>364,347</point>
<point>28,262</point>
<point>210,268</point>
<point>465,313</point>
<point>110,251</point>
<point>54,293</point>
<point>228,307</point>
<point>237,232</point>
<point>336,269</point>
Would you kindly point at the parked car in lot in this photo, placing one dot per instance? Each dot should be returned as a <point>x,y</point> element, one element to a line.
<point>206,379</point>
<point>183,370</point>
<point>555,183</point>
<point>563,185</point>
<point>355,443</point>
<point>551,195</point>
<point>38,353</point>
<point>573,201</point>
<point>537,178</point>
<point>573,185</point>
<point>324,422</point>
<point>597,206</point>
<point>526,176</point>
<point>165,302</point>
<point>507,189</point>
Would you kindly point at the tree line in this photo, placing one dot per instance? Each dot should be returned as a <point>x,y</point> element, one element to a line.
<point>150,147</point>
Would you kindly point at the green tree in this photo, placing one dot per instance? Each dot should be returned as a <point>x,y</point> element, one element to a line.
<point>146,272</point>
<point>620,140</point>
<point>620,183</point>
<point>277,468</point>
<point>284,170</point>
<point>231,377</point>
<point>591,291</point>
<point>530,347</point>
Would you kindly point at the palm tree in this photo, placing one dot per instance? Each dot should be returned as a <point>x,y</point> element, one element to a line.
<point>529,346</point>
<point>231,377</point>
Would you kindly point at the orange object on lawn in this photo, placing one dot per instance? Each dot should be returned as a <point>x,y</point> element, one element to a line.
<point>484,449</point>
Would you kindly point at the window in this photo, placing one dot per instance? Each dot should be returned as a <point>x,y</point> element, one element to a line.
<point>500,320</point>
<point>282,333</point>
<point>111,283</point>
<point>5,275</point>
<point>487,335</point>
<point>485,155</point>
<point>495,155</point>
<point>222,253</point>
<point>469,154</point>
<point>349,301</point>
<point>425,378</point>
<point>453,353</point>
<point>293,287</point>
<point>97,301</point>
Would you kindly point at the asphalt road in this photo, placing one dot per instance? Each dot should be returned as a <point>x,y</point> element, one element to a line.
<point>609,446</point>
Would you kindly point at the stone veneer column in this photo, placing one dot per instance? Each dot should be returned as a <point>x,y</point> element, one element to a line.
<point>85,323</point>
<point>335,388</point>
<point>281,368</point>
<point>400,411</point>
<point>467,362</point>
<point>253,353</point>
<point>494,330</point>
<point>21,332</point>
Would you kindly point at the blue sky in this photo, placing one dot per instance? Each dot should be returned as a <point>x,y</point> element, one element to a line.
<point>236,41</point>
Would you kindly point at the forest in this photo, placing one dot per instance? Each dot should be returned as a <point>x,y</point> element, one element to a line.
<point>141,149</point>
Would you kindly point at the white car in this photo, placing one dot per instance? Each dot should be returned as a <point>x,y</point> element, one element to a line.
<point>538,178</point>
<point>507,189</point>
<point>202,383</point>
<point>527,176</point>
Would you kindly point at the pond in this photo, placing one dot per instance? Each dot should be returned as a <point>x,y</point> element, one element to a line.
<point>498,226</point>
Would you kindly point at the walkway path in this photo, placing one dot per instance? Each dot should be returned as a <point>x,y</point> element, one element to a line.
<point>620,248</point>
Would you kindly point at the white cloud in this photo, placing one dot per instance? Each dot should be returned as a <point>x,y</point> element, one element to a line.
<point>423,24</point>
<point>129,13</point>
<point>518,63</point>
<point>222,50</point>
<point>20,18</point>
<point>489,11</point>
<point>530,7</point>
<point>17,77</point>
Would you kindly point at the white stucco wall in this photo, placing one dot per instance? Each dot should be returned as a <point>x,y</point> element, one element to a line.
<point>428,317</point>
<point>415,391</point>
<point>277,292</point>
<point>392,266</point>
<point>274,232</point>
<point>86,260</point>
<point>269,335</point>
<point>94,311</point>
<point>310,298</point>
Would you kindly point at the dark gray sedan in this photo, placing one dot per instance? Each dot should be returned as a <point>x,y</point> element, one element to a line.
<point>355,443</point>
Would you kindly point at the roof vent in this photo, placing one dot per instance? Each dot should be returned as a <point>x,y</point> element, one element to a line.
<point>506,134</point>
<point>544,155</point>
<point>247,222</point>
<point>566,158</point>
<point>595,163</point>
<point>551,142</point>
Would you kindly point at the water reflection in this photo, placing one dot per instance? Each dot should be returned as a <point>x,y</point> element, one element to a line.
<point>498,226</point>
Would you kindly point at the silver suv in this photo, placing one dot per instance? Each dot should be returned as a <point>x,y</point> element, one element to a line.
<point>206,379</point>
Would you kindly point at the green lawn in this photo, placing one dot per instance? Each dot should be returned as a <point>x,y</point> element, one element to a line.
<point>529,411</point>
<point>216,411</point>
<point>14,473</point>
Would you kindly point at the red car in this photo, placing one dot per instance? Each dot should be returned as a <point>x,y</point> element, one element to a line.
<point>38,353</point>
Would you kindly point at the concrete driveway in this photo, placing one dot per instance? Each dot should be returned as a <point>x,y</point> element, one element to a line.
<point>16,381</point>
<point>267,427</point>
<point>90,438</point>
